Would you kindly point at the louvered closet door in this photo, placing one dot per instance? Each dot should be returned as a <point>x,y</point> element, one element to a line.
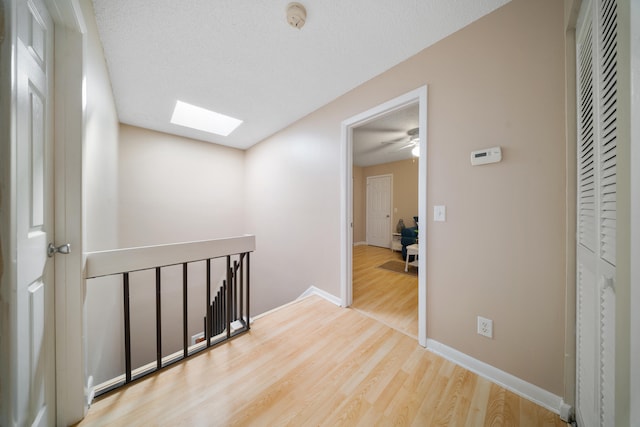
<point>596,207</point>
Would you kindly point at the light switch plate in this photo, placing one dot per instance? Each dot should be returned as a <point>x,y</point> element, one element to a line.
<point>439,213</point>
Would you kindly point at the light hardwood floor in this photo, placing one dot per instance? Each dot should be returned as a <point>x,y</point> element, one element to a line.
<point>387,296</point>
<point>312,363</point>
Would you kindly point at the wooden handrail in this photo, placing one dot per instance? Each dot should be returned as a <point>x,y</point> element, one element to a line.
<point>105,263</point>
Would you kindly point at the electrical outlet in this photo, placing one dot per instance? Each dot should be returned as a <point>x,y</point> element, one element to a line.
<point>485,327</point>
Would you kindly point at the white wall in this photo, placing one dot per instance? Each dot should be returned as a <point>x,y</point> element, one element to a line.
<point>103,306</point>
<point>101,145</point>
<point>293,205</point>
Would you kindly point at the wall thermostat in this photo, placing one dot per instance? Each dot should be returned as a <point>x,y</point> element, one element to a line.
<point>488,155</point>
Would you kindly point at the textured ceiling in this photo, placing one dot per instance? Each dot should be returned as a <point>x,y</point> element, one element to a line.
<point>385,139</point>
<point>241,58</point>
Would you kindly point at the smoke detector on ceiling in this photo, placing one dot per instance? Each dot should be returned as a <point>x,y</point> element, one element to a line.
<point>296,15</point>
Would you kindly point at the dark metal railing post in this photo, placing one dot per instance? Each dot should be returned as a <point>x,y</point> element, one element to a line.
<point>241,286</point>
<point>230,303</point>
<point>220,301</point>
<point>229,286</point>
<point>248,276</point>
<point>127,329</point>
<point>207,322</point>
<point>216,316</point>
<point>185,329</point>
<point>158,321</point>
<point>234,301</point>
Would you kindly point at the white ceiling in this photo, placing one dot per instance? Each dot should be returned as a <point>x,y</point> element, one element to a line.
<point>385,139</point>
<point>241,58</point>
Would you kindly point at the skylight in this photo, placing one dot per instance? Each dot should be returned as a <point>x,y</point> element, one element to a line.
<point>202,119</point>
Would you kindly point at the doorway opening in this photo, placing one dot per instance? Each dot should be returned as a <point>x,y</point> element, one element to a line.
<point>415,137</point>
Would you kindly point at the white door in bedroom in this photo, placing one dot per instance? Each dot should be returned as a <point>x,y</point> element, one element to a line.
<point>379,210</point>
<point>33,357</point>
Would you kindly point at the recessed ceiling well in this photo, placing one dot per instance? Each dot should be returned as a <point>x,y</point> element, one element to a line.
<point>194,117</point>
<point>242,59</point>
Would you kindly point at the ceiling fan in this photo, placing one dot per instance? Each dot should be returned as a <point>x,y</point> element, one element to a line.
<point>410,141</point>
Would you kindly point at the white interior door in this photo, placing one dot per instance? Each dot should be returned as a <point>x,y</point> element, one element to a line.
<point>597,92</point>
<point>379,210</point>
<point>34,353</point>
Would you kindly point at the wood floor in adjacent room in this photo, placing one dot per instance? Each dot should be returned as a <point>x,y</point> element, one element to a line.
<point>387,296</point>
<point>313,363</point>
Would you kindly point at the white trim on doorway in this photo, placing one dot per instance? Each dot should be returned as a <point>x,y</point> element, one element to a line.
<point>346,170</point>
<point>71,389</point>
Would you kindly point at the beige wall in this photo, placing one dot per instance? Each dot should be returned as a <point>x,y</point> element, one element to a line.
<point>174,189</point>
<point>627,65</point>
<point>632,372</point>
<point>405,194</point>
<point>359,205</point>
<point>405,189</point>
<point>501,252</point>
<point>168,189</point>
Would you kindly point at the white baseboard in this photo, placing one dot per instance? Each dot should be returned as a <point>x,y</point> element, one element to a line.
<point>89,391</point>
<point>566,412</point>
<point>311,291</point>
<point>512,383</point>
<point>323,294</point>
<point>360,244</point>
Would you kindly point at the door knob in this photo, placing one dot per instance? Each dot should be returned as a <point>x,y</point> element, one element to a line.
<point>62,249</point>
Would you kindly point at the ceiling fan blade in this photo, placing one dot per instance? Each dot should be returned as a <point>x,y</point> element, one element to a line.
<point>410,144</point>
<point>393,141</point>
<point>372,149</point>
<point>379,131</point>
<point>414,133</point>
